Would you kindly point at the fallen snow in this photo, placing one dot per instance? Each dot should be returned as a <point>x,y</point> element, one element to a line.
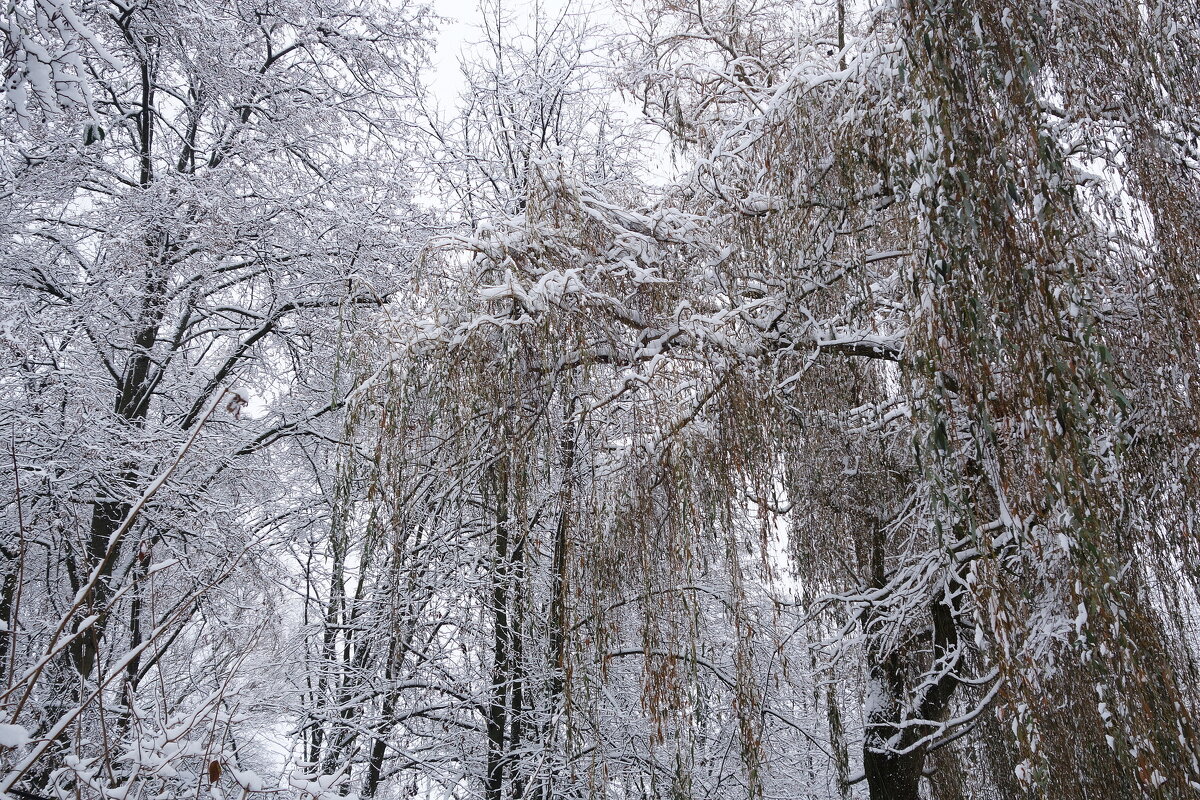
<point>13,736</point>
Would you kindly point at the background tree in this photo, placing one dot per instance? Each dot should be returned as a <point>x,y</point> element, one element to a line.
<point>185,240</point>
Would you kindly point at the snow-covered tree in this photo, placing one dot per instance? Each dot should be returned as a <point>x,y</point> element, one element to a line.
<point>856,460</point>
<point>198,200</point>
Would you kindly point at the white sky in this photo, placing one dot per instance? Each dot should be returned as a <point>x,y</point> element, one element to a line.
<point>461,31</point>
<point>445,77</point>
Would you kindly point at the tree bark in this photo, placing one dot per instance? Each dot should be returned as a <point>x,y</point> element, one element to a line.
<point>497,709</point>
<point>892,773</point>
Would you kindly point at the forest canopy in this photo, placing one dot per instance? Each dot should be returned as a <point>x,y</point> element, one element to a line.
<point>710,400</point>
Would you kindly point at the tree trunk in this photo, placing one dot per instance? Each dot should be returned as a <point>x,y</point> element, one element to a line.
<point>894,770</point>
<point>497,709</point>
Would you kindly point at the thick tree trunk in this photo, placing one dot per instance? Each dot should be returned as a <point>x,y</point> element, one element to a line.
<point>892,777</point>
<point>892,764</point>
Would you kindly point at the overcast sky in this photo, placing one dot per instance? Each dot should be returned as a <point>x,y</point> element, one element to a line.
<point>462,30</point>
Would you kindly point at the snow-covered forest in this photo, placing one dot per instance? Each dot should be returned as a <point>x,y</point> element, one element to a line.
<point>702,400</point>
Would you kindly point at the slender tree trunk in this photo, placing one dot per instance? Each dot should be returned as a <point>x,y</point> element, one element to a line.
<point>558,577</point>
<point>379,746</point>
<point>131,406</point>
<point>516,648</point>
<point>8,594</point>
<point>497,709</point>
